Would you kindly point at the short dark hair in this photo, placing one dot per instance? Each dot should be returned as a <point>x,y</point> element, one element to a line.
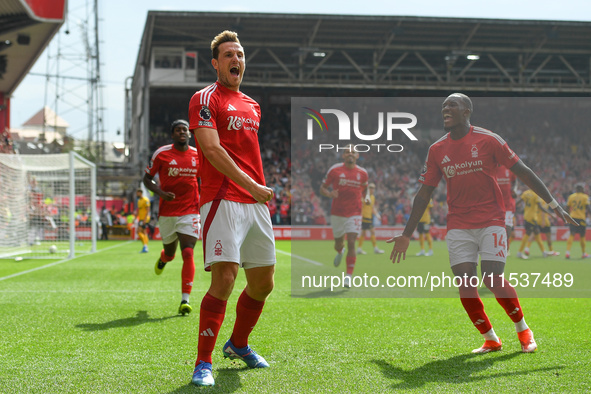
<point>177,122</point>
<point>225,36</point>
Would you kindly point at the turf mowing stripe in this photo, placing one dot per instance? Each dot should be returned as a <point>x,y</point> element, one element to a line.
<point>299,257</point>
<point>59,262</point>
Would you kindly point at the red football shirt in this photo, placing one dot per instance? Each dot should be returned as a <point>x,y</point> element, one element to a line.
<point>350,183</point>
<point>505,179</point>
<point>236,117</point>
<point>178,174</point>
<point>469,165</point>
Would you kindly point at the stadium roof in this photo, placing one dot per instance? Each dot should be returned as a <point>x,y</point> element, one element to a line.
<point>26,27</point>
<point>387,52</point>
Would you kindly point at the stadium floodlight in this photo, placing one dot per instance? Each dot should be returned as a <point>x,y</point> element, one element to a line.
<point>462,52</point>
<point>5,44</point>
<point>316,52</point>
<point>47,206</point>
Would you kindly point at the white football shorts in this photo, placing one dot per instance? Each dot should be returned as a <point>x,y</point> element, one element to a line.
<point>239,233</point>
<point>171,225</point>
<point>509,218</point>
<point>342,225</point>
<point>464,246</point>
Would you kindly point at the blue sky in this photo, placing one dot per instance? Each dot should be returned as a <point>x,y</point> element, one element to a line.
<point>122,25</point>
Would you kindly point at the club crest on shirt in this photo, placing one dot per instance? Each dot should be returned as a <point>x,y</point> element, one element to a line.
<point>204,113</point>
<point>193,162</point>
<point>474,151</point>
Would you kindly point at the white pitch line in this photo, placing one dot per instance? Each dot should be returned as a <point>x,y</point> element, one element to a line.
<point>57,262</point>
<point>299,257</point>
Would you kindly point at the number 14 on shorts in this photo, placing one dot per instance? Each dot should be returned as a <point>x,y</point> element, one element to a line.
<point>499,240</point>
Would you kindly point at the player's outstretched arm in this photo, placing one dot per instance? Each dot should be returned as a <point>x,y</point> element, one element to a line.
<point>561,213</point>
<point>401,242</point>
<point>527,176</point>
<point>548,211</point>
<point>209,142</point>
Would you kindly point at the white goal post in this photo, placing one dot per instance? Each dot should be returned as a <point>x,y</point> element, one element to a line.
<point>47,206</point>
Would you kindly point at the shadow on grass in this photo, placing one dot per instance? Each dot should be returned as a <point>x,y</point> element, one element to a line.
<point>227,380</point>
<point>142,317</point>
<point>454,370</point>
<point>324,293</point>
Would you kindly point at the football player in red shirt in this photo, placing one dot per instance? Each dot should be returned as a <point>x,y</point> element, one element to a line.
<point>237,229</point>
<point>176,166</point>
<point>345,183</point>
<point>468,156</point>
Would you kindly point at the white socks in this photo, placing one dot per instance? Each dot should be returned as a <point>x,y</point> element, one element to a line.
<point>490,335</point>
<point>521,325</point>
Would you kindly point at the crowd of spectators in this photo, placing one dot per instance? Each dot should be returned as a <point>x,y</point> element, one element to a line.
<point>275,144</point>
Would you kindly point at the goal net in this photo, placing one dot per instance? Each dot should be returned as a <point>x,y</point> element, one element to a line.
<point>47,206</point>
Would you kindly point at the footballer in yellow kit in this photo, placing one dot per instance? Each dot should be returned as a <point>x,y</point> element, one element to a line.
<point>578,205</point>
<point>424,233</point>
<point>533,204</point>
<point>367,212</point>
<point>143,217</point>
<point>545,228</point>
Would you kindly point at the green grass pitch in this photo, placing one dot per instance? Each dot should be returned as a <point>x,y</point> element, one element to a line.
<point>104,323</point>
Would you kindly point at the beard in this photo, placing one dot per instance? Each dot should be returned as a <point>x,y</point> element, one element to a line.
<point>228,80</point>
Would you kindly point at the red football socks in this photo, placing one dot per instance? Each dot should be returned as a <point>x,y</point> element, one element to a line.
<point>475,308</point>
<point>165,258</point>
<point>507,297</point>
<point>211,317</point>
<point>351,264</point>
<point>188,271</point>
<point>248,311</point>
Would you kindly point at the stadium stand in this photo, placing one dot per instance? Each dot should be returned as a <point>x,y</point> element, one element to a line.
<point>19,21</point>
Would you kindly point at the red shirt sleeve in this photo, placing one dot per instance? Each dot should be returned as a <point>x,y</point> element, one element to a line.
<point>153,165</point>
<point>328,179</point>
<point>504,155</point>
<point>431,174</point>
<point>202,113</point>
